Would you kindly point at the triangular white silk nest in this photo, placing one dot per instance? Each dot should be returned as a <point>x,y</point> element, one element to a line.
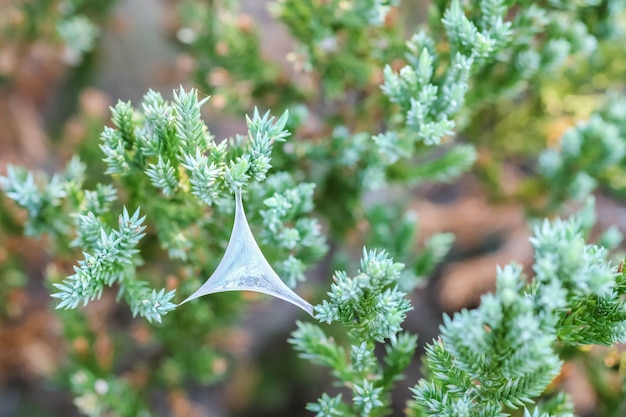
<point>244,268</point>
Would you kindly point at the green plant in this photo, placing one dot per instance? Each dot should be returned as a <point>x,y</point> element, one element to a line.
<point>498,357</point>
<point>374,111</point>
<point>165,157</point>
<point>505,352</point>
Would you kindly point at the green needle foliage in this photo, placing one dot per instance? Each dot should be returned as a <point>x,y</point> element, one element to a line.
<point>166,154</point>
<point>162,157</point>
<point>113,261</point>
<point>372,307</point>
<point>503,354</point>
<point>373,102</point>
<point>487,361</point>
<point>590,154</point>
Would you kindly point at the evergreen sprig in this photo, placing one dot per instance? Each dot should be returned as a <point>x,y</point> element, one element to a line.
<point>48,200</point>
<point>372,307</point>
<point>173,149</point>
<point>20,186</point>
<point>177,136</point>
<point>169,146</point>
<point>79,34</point>
<point>433,88</point>
<point>588,154</point>
<point>502,354</point>
<point>163,176</point>
<point>286,204</point>
<point>113,261</point>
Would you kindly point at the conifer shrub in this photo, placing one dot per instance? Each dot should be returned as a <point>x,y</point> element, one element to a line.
<point>371,98</point>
